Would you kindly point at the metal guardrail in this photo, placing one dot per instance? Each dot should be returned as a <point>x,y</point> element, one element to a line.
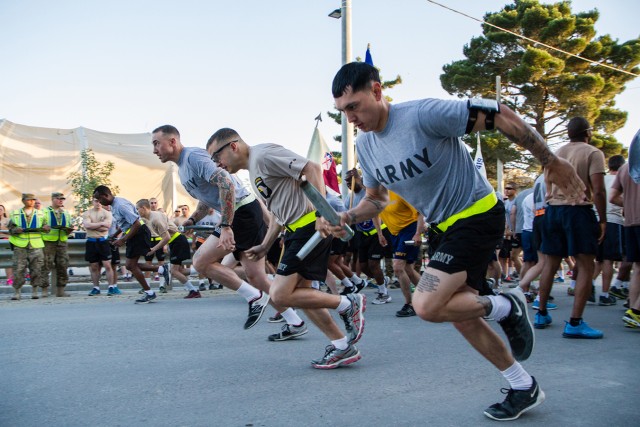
<point>76,249</point>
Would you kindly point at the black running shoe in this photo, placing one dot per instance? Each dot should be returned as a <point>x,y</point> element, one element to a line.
<point>256,309</point>
<point>361,286</point>
<point>348,290</point>
<point>146,298</point>
<point>406,311</point>
<point>516,403</point>
<point>517,326</point>
<point>289,332</point>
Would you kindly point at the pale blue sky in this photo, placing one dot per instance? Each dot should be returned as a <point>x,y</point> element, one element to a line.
<point>262,67</point>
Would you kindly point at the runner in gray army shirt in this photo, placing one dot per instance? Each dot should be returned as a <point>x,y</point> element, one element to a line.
<point>413,149</point>
<point>241,226</point>
<point>276,173</point>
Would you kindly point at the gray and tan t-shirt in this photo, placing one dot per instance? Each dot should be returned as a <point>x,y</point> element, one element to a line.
<point>625,184</point>
<point>158,223</point>
<point>195,169</point>
<point>420,157</point>
<point>124,213</point>
<point>275,173</point>
<point>586,160</point>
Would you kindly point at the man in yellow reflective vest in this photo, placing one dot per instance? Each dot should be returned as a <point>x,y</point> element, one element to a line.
<point>25,235</point>
<point>56,257</point>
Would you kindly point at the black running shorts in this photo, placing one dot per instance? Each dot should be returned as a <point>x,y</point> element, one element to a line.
<point>467,246</point>
<point>314,266</point>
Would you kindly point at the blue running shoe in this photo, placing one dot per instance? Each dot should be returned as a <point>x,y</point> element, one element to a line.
<point>558,280</point>
<point>541,322</point>
<point>550,305</point>
<point>581,331</point>
<point>113,290</point>
<point>94,291</point>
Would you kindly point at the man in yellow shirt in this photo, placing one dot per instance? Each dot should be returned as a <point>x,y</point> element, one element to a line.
<point>405,225</point>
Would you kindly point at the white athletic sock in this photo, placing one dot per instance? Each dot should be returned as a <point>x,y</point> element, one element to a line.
<point>500,307</point>
<point>344,304</point>
<point>347,283</point>
<point>356,279</point>
<point>189,286</point>
<point>341,344</point>
<point>150,292</point>
<point>248,292</point>
<point>383,289</point>
<point>572,284</point>
<point>604,294</point>
<point>110,286</point>
<point>97,287</point>
<point>291,317</point>
<point>625,285</point>
<point>517,377</point>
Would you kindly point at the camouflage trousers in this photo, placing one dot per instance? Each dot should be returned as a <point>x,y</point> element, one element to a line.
<point>56,261</point>
<point>30,258</point>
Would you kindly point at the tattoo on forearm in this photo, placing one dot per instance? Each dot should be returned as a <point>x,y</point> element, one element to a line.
<point>428,283</point>
<point>352,217</point>
<point>227,196</point>
<point>485,303</point>
<point>528,138</point>
<point>374,202</point>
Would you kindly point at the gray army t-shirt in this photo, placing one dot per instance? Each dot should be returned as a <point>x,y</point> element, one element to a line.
<point>420,156</point>
<point>195,169</point>
<point>274,172</point>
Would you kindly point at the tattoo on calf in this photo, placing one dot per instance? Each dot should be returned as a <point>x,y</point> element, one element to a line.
<point>428,283</point>
<point>485,303</point>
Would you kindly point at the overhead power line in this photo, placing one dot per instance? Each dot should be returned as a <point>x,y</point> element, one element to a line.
<point>535,41</point>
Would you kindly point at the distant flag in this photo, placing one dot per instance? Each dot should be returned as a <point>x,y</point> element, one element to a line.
<point>367,57</point>
<point>634,158</point>
<point>479,161</point>
<point>319,152</point>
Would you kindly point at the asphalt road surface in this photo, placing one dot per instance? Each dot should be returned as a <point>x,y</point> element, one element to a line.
<point>104,361</point>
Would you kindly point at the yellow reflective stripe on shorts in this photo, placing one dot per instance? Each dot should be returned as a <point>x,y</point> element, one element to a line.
<point>174,237</point>
<point>481,206</point>
<point>129,229</point>
<point>244,201</point>
<point>305,219</point>
<point>374,231</point>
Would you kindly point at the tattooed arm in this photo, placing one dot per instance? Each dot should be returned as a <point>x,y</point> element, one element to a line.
<point>200,212</point>
<point>557,171</point>
<point>374,201</point>
<point>222,180</point>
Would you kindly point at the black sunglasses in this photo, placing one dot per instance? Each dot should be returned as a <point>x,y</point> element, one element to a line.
<point>216,153</point>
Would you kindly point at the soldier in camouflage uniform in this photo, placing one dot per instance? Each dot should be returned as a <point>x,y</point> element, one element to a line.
<point>56,257</point>
<point>25,235</point>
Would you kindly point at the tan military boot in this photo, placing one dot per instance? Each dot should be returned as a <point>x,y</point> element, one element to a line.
<point>45,292</point>
<point>60,292</point>
<point>34,292</point>
<point>16,296</point>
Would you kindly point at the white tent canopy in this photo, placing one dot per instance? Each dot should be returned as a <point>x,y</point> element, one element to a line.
<point>39,161</point>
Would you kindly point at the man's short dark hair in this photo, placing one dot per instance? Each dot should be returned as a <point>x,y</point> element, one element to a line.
<point>578,129</point>
<point>616,162</point>
<point>221,135</point>
<point>357,75</point>
<point>144,203</point>
<point>167,130</point>
<point>102,190</point>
